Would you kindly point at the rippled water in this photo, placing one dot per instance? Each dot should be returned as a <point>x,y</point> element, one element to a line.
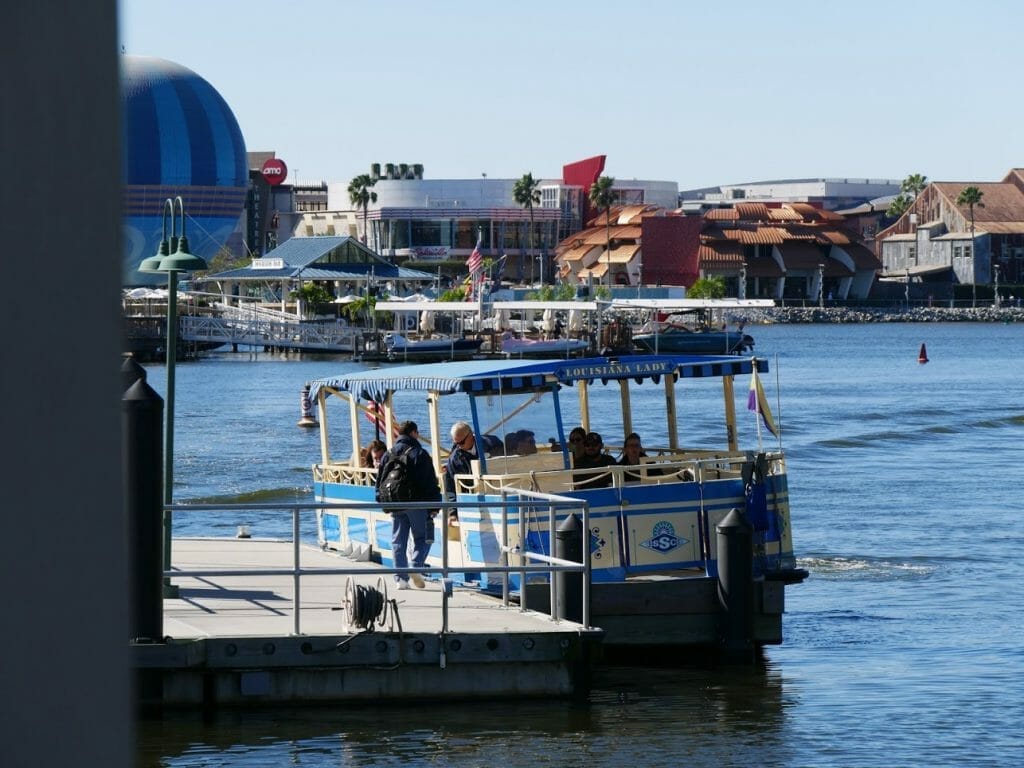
<point>904,647</point>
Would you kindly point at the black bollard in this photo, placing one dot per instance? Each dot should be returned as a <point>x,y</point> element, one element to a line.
<point>569,586</point>
<point>736,585</point>
<point>131,372</point>
<point>142,412</point>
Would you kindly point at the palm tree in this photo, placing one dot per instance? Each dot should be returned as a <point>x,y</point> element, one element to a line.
<point>601,197</point>
<point>910,188</point>
<point>360,195</point>
<point>971,196</point>
<point>526,193</point>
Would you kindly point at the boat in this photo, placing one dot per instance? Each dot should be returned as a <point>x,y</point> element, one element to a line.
<point>692,326</point>
<point>654,529</point>
<point>432,349</point>
<point>519,346</point>
<point>675,335</point>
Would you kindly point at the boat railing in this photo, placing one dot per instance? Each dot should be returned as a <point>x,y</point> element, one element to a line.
<point>555,507</point>
<point>543,472</point>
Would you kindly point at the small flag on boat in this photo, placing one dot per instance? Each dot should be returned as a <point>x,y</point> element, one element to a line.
<point>758,403</point>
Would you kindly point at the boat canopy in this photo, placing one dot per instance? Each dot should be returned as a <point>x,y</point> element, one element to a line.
<point>486,377</point>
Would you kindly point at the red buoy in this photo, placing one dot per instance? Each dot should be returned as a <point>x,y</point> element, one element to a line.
<point>922,356</point>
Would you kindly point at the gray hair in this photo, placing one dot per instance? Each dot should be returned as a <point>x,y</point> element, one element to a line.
<point>459,427</point>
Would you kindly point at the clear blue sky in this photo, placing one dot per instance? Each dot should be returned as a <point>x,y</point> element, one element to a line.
<point>697,93</point>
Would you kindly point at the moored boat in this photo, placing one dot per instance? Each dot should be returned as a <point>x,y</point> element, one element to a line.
<point>654,526</point>
<point>434,349</point>
<point>512,346</point>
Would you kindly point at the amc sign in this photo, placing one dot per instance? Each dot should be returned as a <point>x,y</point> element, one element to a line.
<point>274,171</point>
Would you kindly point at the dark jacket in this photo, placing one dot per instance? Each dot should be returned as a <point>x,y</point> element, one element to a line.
<point>594,480</point>
<point>458,464</point>
<point>425,487</point>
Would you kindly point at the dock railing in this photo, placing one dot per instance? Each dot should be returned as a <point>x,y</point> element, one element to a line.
<point>532,562</point>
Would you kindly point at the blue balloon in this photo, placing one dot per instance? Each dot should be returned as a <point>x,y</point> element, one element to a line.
<point>180,138</point>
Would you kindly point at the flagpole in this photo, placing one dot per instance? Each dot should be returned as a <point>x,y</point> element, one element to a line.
<point>778,402</point>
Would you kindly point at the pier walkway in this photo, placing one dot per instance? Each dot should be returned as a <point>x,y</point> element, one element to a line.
<point>239,640</point>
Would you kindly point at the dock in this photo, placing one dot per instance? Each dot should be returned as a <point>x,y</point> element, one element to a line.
<point>268,635</point>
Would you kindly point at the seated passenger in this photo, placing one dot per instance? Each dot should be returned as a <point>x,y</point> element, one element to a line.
<point>526,442</point>
<point>632,456</point>
<point>593,457</point>
<point>576,438</point>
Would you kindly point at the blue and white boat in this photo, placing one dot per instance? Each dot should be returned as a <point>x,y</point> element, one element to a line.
<point>653,537</point>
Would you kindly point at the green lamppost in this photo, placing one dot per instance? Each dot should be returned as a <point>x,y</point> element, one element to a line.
<point>172,258</point>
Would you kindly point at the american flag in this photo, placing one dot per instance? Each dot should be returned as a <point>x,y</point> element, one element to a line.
<point>475,258</point>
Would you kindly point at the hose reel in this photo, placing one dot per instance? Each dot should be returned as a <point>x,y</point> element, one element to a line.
<point>366,606</point>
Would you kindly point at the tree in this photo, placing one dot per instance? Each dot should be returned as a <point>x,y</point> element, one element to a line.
<point>526,193</point>
<point>360,195</point>
<point>602,196</point>
<point>910,188</point>
<point>707,288</point>
<point>971,196</point>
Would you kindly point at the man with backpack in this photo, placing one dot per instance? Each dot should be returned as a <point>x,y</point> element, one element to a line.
<point>407,474</point>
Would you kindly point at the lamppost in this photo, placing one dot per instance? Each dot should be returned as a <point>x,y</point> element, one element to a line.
<point>742,292</point>
<point>821,286</point>
<point>995,268</point>
<point>173,264</point>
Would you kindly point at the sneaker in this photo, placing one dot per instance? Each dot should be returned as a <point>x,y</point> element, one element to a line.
<point>417,581</point>
<point>402,585</point>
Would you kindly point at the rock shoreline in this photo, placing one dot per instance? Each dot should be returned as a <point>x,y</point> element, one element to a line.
<point>782,315</point>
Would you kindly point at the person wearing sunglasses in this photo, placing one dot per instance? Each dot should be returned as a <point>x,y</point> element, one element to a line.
<point>633,456</point>
<point>594,457</point>
<point>576,438</point>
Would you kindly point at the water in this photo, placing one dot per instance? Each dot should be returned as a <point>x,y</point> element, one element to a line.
<point>902,648</point>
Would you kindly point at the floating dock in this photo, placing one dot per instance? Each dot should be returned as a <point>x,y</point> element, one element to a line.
<point>238,640</point>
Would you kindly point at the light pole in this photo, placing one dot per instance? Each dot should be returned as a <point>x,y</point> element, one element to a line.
<point>995,268</point>
<point>974,260</point>
<point>821,286</point>
<point>173,264</point>
<point>741,293</point>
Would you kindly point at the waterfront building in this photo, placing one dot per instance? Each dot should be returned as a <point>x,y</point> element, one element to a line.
<point>779,251</point>
<point>433,224</point>
<point>831,194</point>
<point>933,241</point>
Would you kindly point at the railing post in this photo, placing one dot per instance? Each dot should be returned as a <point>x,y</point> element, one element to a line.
<point>569,546</point>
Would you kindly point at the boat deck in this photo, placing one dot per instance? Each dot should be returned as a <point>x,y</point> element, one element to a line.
<point>231,640</point>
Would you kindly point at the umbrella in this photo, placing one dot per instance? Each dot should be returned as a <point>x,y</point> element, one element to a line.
<point>501,320</point>
<point>426,321</point>
<point>548,322</point>
<point>575,320</point>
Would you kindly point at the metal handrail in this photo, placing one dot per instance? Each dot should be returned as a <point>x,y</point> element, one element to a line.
<point>549,565</point>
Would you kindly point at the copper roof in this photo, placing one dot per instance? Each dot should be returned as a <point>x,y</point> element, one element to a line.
<point>576,254</point>
<point>755,236</point>
<point>721,214</point>
<point>622,254</point>
<point>785,213</point>
<point>752,211</point>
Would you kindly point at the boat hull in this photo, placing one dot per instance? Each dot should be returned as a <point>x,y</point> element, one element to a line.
<point>694,343</point>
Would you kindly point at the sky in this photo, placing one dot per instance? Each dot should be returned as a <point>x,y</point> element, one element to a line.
<point>701,94</point>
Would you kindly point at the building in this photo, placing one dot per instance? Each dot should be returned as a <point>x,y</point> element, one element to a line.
<point>438,222</point>
<point>342,264</point>
<point>825,193</point>
<point>791,251</point>
<point>936,241</point>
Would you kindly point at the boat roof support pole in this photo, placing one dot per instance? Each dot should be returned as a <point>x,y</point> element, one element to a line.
<point>389,420</point>
<point>353,415</point>
<point>321,412</point>
<point>478,435</point>
<point>584,394</point>
<point>670,411</point>
<point>435,429</point>
<point>627,413</point>
<point>730,413</point>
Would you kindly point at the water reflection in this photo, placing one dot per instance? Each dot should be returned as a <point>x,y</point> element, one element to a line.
<point>632,716</point>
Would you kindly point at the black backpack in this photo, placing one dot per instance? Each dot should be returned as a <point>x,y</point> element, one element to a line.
<point>397,483</point>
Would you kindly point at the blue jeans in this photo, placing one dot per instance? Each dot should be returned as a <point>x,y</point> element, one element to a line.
<point>419,523</point>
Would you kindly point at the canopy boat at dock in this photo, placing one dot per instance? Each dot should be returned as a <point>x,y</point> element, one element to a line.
<point>654,526</point>
<point>692,326</point>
